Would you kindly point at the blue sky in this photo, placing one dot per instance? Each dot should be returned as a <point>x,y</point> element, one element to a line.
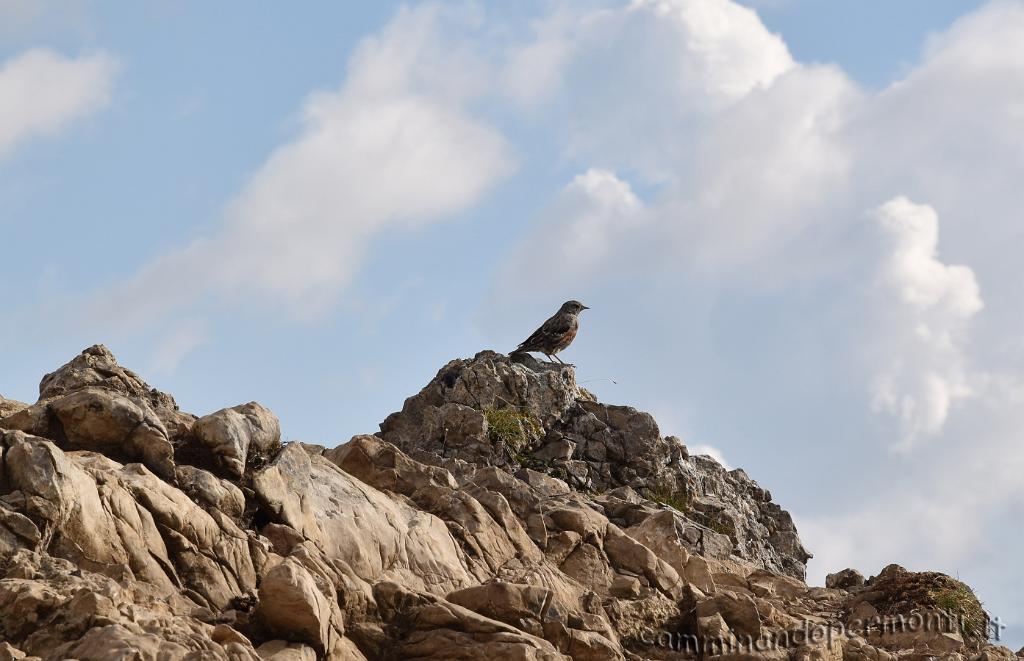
<point>797,225</point>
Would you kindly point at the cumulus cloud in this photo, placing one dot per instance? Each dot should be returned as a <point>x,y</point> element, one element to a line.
<point>582,232</point>
<point>42,92</point>
<point>635,81</point>
<point>929,304</point>
<point>394,147</point>
<point>762,170</point>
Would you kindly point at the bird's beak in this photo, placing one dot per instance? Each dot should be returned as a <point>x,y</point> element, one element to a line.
<point>584,307</point>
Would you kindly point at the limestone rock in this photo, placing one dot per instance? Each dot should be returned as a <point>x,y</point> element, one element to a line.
<point>232,435</point>
<point>125,521</point>
<point>293,606</point>
<point>210,491</point>
<point>99,420</point>
<point>525,607</point>
<point>97,367</point>
<point>378,537</point>
<point>504,513</point>
<point>10,406</point>
<point>437,629</point>
<point>492,410</point>
<point>845,580</point>
<point>282,650</point>
<point>738,611</point>
<point>384,466</point>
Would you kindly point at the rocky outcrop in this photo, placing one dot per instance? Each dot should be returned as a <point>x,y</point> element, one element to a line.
<point>504,513</point>
<point>496,411</point>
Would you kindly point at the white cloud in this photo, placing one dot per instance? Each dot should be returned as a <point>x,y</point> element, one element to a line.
<point>583,231</point>
<point>764,168</point>
<point>631,83</point>
<point>395,147</point>
<point>928,304</point>
<point>42,92</point>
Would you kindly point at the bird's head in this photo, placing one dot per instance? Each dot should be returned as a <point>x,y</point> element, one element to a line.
<point>572,307</point>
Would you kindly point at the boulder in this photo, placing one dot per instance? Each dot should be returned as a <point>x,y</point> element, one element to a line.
<point>97,367</point>
<point>230,437</point>
<point>10,406</point>
<point>668,535</point>
<point>433,628</point>
<point>525,607</point>
<point>282,650</point>
<point>380,538</point>
<point>625,553</point>
<point>210,491</point>
<point>100,420</point>
<point>293,606</point>
<point>738,611</point>
<point>385,467</point>
<point>847,579</point>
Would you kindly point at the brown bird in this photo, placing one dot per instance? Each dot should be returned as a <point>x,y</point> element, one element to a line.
<point>556,333</point>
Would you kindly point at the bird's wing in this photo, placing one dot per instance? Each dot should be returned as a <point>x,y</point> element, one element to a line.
<point>555,327</point>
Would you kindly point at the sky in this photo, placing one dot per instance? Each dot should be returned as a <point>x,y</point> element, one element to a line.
<point>798,226</point>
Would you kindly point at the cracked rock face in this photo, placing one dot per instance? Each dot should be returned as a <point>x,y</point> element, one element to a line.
<point>502,514</point>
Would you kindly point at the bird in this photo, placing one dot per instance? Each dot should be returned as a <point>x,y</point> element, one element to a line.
<point>556,333</point>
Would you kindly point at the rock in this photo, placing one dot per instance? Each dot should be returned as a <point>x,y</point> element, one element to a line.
<point>342,515</point>
<point>104,421</point>
<point>433,628</point>
<point>845,580</point>
<point>543,412</point>
<point>210,491</point>
<point>525,607</point>
<point>293,606</point>
<point>996,653</point>
<point>17,531</point>
<point>581,645</point>
<point>589,566</point>
<point>557,450</point>
<point>281,650</point>
<point>97,367</point>
<point>470,528</point>
<point>384,466</point>
<point>712,628</point>
<point>625,587</point>
<point>232,435</point>
<point>898,593</point>
<point>10,653</point>
<point>488,382</point>
<point>764,583</point>
<point>666,534</point>
<point>738,611</point>
<point>125,521</point>
<point>625,553</point>
<point>10,406</point>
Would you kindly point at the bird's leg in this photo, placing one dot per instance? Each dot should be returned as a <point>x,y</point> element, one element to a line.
<point>560,360</point>
<point>548,357</point>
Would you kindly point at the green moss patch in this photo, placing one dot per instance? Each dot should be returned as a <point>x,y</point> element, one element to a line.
<point>512,429</point>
